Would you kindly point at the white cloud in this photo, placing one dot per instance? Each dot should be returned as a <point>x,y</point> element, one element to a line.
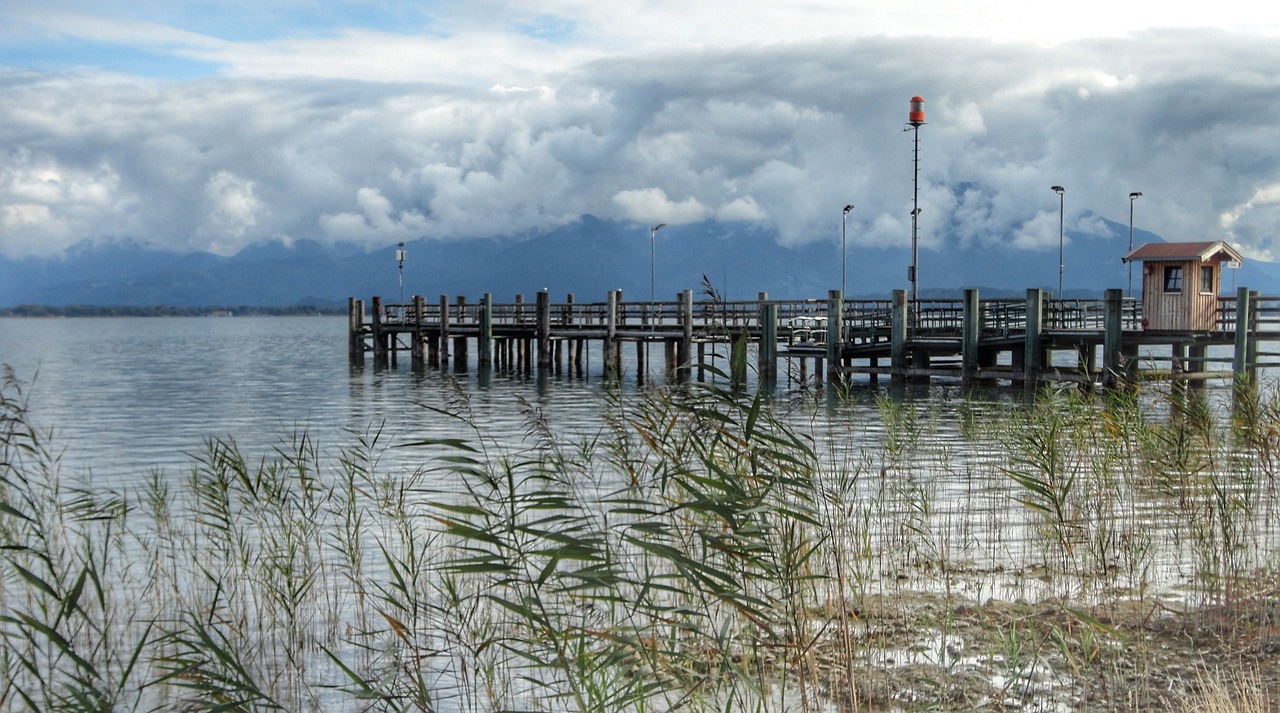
<point>46,206</point>
<point>375,222</point>
<point>231,211</point>
<point>1256,222</point>
<point>651,205</point>
<point>742,209</point>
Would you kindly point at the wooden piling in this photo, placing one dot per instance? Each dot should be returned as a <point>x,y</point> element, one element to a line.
<point>767,352</point>
<point>1033,341</point>
<point>379,339</point>
<point>355,331</point>
<point>417,360</point>
<point>444,330</point>
<point>1240,359</point>
<point>484,338</point>
<point>684,355</point>
<point>898,337</point>
<point>970,332</point>
<point>543,328</point>
<point>1113,338</point>
<point>835,334</point>
<point>460,356</point>
<point>612,367</point>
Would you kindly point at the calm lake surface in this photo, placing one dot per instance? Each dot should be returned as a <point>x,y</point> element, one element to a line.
<point>124,396</point>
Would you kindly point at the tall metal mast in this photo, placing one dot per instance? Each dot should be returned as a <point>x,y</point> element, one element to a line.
<point>915,118</point>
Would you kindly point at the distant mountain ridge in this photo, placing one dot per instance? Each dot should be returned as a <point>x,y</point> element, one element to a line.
<point>588,257</point>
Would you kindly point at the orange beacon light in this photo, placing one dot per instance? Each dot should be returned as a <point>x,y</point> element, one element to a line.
<point>916,116</point>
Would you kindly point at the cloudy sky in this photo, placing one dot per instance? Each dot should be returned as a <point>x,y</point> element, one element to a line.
<point>213,125</point>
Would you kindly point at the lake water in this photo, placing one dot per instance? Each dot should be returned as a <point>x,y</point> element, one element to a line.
<point>125,395</point>
<point>931,508</point>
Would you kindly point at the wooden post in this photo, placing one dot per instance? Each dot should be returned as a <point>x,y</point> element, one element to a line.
<point>1113,366</point>
<point>355,331</point>
<point>444,331</point>
<point>460,340</point>
<point>971,331</point>
<point>379,339</point>
<point>1033,343</point>
<point>685,353</point>
<point>611,366</point>
<point>898,337</point>
<point>1240,366</point>
<point>567,319</point>
<point>543,329</point>
<point>1252,355</point>
<point>767,354</point>
<point>484,340</point>
<point>417,359</point>
<point>835,334</point>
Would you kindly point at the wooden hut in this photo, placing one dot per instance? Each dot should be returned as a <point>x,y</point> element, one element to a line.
<point>1181,283</point>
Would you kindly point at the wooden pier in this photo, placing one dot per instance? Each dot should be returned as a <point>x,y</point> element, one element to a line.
<point>1012,340</point>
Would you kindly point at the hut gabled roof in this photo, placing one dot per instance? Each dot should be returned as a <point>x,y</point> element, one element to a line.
<point>1182,252</point>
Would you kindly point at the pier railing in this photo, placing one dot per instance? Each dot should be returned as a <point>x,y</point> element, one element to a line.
<point>863,320</point>
<point>895,336</point>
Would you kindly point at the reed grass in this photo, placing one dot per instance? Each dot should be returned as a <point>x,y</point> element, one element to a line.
<point>703,549</point>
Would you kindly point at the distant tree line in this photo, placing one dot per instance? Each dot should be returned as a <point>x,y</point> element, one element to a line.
<point>167,311</point>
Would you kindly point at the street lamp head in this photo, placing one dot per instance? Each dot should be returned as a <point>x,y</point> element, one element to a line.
<point>848,208</point>
<point>1135,194</point>
<point>658,227</point>
<point>1057,189</point>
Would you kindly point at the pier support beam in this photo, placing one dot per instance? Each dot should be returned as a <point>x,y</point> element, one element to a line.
<point>1113,366</point>
<point>767,354</point>
<point>543,327</point>
<point>685,353</point>
<point>835,336</point>
<point>355,331</point>
<point>1241,368</point>
<point>612,368</point>
<point>417,359</point>
<point>898,337</point>
<point>970,331</point>
<point>444,331</point>
<point>379,339</point>
<point>1033,340</point>
<point>484,339</point>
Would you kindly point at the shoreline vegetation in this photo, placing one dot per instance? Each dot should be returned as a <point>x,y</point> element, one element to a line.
<point>703,550</point>
<point>168,311</point>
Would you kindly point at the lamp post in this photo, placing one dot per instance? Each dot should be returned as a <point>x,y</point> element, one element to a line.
<point>400,265</point>
<point>652,252</point>
<point>844,219</point>
<point>1132,197</point>
<point>1061,205</point>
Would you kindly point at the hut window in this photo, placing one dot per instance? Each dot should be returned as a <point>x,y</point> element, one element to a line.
<point>1173,278</point>
<point>1206,279</point>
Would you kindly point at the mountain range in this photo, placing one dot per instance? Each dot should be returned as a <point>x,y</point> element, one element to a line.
<point>587,257</point>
